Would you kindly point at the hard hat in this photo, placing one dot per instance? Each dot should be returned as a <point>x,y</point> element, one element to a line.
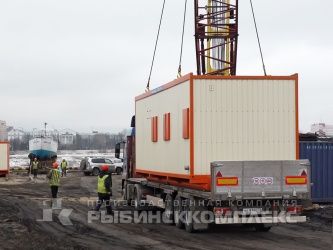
<point>105,167</point>
<point>55,165</point>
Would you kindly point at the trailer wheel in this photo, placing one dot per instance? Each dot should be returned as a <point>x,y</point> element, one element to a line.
<point>178,215</point>
<point>169,209</point>
<point>135,196</point>
<point>262,228</point>
<point>188,220</point>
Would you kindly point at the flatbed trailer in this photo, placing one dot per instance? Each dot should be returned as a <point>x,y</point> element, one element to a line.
<point>245,195</point>
<point>224,148</point>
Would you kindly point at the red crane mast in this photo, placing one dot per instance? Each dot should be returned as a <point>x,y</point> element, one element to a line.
<point>216,33</point>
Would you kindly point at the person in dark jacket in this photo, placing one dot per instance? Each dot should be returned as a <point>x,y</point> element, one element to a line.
<point>104,189</point>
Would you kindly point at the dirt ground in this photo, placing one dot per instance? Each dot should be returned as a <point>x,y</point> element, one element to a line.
<point>25,223</point>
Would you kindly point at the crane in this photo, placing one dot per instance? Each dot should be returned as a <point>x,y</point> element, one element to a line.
<point>216,33</point>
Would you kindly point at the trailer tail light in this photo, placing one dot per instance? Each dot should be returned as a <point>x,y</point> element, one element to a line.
<point>294,209</point>
<point>227,181</point>
<point>222,211</point>
<point>296,180</point>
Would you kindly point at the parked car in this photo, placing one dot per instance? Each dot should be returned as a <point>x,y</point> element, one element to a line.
<point>93,165</point>
<point>118,163</point>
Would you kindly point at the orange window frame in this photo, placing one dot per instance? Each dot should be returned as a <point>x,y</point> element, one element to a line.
<point>154,129</point>
<point>166,127</point>
<point>186,123</point>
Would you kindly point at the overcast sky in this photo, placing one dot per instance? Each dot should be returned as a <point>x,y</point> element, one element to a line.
<point>79,64</point>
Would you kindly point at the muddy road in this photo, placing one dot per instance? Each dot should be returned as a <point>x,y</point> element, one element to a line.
<point>28,222</point>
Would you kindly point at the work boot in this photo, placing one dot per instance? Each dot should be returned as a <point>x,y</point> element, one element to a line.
<point>53,204</point>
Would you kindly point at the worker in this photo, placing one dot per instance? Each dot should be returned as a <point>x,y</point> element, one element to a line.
<point>104,189</point>
<point>34,167</point>
<point>63,167</point>
<point>54,177</point>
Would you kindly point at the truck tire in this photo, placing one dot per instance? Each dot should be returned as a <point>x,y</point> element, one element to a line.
<point>188,220</point>
<point>203,217</point>
<point>128,194</point>
<point>95,172</point>
<point>169,209</point>
<point>178,216</point>
<point>137,199</point>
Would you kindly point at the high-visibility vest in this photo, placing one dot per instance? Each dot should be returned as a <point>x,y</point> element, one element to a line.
<point>63,164</point>
<point>35,165</point>
<point>101,185</point>
<point>55,177</point>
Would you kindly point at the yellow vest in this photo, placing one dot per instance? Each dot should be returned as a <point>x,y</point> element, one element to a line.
<point>63,164</point>
<point>101,185</point>
<point>35,165</point>
<point>55,179</point>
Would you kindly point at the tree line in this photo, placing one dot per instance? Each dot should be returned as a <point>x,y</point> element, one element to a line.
<point>98,141</point>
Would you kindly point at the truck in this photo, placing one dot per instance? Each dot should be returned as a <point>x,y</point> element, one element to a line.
<point>218,149</point>
<point>4,158</point>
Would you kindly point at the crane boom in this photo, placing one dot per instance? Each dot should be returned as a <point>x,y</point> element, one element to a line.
<point>216,33</point>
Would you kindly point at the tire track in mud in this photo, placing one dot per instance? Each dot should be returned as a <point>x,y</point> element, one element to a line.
<point>24,204</point>
<point>89,236</point>
<point>229,235</point>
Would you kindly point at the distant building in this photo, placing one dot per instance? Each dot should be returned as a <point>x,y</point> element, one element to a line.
<point>15,134</point>
<point>3,131</point>
<point>67,136</point>
<point>49,132</point>
<point>322,129</point>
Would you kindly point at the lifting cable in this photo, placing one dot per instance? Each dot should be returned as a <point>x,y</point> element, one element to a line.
<point>181,46</point>
<point>255,24</point>
<point>158,33</point>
